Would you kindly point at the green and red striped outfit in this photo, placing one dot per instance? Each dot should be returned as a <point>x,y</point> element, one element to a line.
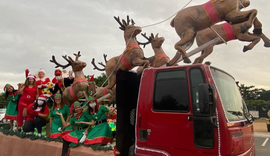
<point>57,123</point>
<point>77,134</point>
<point>101,133</point>
<point>11,112</point>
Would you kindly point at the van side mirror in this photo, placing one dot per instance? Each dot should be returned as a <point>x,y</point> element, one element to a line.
<point>207,99</point>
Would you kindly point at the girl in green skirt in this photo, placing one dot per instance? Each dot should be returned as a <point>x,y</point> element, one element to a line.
<point>101,133</point>
<point>11,95</point>
<point>55,120</point>
<point>82,120</point>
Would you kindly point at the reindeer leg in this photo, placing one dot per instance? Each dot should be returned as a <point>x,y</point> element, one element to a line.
<point>258,31</point>
<point>111,83</point>
<point>241,16</point>
<point>254,39</point>
<point>140,62</point>
<point>206,52</point>
<point>185,38</point>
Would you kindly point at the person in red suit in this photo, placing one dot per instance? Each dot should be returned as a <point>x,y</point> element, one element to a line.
<point>37,113</point>
<point>29,94</point>
<point>41,80</point>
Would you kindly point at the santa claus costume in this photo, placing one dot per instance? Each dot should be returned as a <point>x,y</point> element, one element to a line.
<point>61,83</point>
<point>41,80</point>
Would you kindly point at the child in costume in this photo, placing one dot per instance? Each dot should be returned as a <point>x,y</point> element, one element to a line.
<point>29,94</point>
<point>12,96</point>
<point>82,120</point>
<point>55,120</point>
<point>37,115</point>
<point>41,80</point>
<point>101,133</point>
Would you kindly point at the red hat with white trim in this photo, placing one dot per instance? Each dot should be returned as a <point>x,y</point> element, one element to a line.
<point>42,70</point>
<point>31,76</point>
<point>42,97</point>
<point>57,72</point>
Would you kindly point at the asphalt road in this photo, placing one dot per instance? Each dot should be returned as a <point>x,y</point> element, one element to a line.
<point>262,145</point>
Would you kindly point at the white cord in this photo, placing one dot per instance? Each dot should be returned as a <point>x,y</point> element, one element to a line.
<point>167,18</point>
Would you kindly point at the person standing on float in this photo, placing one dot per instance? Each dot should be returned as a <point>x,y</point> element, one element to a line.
<point>56,125</point>
<point>29,94</point>
<point>41,80</point>
<point>12,96</point>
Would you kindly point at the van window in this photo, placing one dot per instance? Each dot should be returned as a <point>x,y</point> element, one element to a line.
<point>171,91</point>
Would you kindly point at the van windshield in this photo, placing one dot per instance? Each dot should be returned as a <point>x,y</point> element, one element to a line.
<point>231,99</point>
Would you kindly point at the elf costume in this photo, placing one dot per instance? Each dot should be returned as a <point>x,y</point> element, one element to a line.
<point>101,133</point>
<point>56,127</point>
<point>77,134</point>
<point>13,97</point>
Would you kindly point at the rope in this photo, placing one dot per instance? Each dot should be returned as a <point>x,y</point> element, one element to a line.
<point>165,19</point>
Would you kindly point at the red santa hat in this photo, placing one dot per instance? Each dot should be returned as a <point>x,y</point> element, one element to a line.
<point>31,76</point>
<point>42,70</point>
<point>42,97</point>
<point>57,72</point>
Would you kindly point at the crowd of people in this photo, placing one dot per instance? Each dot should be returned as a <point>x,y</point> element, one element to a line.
<point>38,101</point>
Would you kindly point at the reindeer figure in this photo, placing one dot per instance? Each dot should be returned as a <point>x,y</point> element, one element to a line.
<point>80,84</point>
<point>160,58</point>
<point>131,57</point>
<point>227,32</point>
<point>192,19</point>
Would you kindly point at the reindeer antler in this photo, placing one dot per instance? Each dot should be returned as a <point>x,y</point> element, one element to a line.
<point>148,38</point>
<point>58,64</point>
<point>105,58</point>
<point>77,55</point>
<point>119,22</point>
<point>95,67</point>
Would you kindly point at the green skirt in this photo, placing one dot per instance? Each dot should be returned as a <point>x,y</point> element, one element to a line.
<point>100,134</point>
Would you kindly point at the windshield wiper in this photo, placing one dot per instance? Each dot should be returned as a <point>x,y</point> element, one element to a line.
<point>236,113</point>
<point>248,116</point>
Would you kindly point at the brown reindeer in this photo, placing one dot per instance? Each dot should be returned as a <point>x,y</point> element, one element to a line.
<point>131,57</point>
<point>160,58</point>
<point>227,32</point>
<point>195,18</point>
<point>80,84</point>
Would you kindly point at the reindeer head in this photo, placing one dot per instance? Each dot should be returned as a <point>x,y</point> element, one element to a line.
<point>129,29</point>
<point>76,65</point>
<point>156,41</point>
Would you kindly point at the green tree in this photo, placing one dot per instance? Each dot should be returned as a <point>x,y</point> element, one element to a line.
<point>100,79</point>
<point>250,92</point>
<point>265,95</point>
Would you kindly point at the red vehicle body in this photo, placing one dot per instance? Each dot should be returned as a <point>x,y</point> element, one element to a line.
<point>193,110</point>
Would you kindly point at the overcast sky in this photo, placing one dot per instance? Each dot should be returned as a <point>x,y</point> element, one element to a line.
<point>32,31</point>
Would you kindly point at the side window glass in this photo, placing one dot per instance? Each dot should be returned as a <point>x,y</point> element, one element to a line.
<point>171,91</point>
<point>203,129</point>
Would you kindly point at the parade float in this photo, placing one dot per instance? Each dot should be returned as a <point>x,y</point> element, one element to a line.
<point>160,106</point>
